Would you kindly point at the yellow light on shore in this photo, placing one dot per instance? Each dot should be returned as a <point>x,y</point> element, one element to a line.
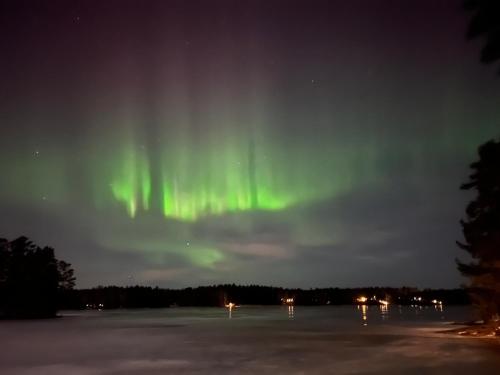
<point>230,307</point>
<point>364,314</point>
<point>361,299</point>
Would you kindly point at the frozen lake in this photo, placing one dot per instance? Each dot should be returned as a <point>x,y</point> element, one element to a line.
<point>260,340</point>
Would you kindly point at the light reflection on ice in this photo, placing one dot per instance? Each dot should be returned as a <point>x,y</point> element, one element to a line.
<point>264,340</point>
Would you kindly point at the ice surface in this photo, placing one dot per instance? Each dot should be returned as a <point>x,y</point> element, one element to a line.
<point>256,340</point>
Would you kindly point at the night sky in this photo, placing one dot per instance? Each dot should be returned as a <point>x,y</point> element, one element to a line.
<point>291,143</point>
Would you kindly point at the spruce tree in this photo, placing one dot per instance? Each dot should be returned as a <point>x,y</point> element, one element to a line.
<point>481,230</point>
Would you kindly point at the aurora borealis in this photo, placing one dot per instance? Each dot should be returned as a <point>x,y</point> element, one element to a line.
<point>179,143</point>
<point>196,178</point>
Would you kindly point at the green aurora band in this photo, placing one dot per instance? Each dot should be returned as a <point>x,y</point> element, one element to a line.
<point>195,180</point>
<point>186,176</point>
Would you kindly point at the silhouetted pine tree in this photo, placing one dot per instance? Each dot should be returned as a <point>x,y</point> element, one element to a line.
<point>481,231</point>
<point>66,275</point>
<point>30,279</point>
<point>485,23</point>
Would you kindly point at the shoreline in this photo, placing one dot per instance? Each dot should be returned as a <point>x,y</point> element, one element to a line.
<point>474,330</point>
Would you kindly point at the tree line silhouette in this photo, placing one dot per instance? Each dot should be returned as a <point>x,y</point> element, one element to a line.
<point>113,297</point>
<point>32,280</point>
<point>35,284</point>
